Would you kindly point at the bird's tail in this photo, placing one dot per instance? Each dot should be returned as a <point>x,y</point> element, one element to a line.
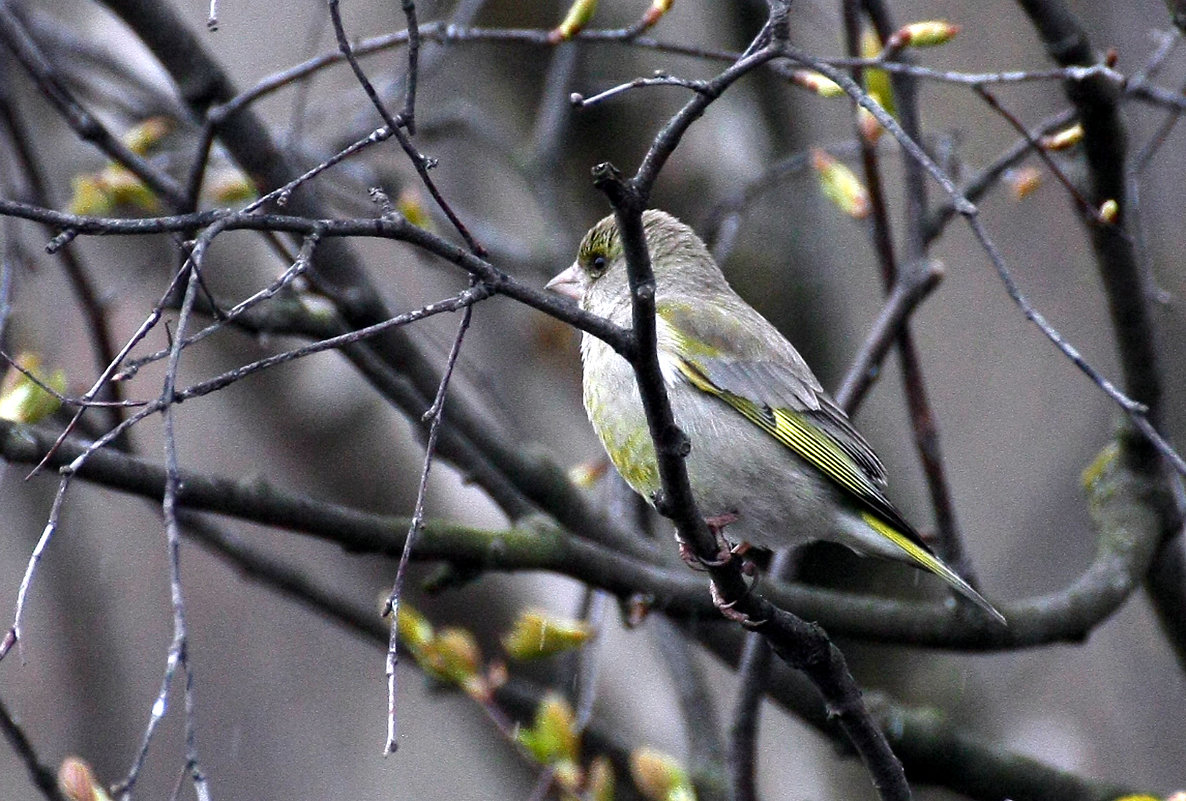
<point>923,558</point>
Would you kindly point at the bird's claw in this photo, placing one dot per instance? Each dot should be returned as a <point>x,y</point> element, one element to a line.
<point>725,551</point>
<point>729,610</point>
<point>696,562</point>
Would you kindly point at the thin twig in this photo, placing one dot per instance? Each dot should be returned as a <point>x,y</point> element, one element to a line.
<point>408,115</point>
<point>662,79</point>
<point>178,655</point>
<point>896,67</point>
<point>335,16</point>
<point>975,187</point>
<point>15,632</point>
<point>65,400</point>
<point>433,416</point>
<point>1084,205</point>
<point>1135,410</point>
<point>280,194</point>
<point>179,649</point>
<point>298,268</point>
<point>421,163</point>
<point>109,371</point>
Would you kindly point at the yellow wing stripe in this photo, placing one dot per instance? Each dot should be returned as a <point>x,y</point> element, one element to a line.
<point>796,433</point>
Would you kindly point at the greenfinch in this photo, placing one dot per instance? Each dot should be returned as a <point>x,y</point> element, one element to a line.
<point>773,457</point>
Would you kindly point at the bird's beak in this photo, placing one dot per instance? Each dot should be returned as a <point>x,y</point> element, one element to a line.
<point>567,283</point>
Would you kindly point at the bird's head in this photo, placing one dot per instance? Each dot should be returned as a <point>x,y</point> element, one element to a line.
<point>598,279</point>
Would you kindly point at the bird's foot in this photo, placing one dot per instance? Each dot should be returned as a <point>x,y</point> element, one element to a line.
<point>694,560</point>
<point>725,550</point>
<point>729,608</point>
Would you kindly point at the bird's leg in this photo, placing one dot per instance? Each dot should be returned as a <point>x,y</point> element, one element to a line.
<point>716,524</point>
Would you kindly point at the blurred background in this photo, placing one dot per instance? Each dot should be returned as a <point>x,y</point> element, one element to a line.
<point>292,706</point>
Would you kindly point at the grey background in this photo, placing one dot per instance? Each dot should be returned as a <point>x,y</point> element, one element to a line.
<point>291,707</point>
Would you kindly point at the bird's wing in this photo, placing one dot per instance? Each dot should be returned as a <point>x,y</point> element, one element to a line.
<point>743,360</point>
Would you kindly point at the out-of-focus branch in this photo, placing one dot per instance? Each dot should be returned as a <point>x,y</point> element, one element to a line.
<point>1124,510</point>
<point>81,283</point>
<point>934,750</point>
<point>337,272</point>
<point>43,778</point>
<point>1128,288</point>
<point>923,420</point>
<point>88,127</point>
<point>706,751</point>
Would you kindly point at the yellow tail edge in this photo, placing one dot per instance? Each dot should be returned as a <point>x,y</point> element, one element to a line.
<point>933,564</point>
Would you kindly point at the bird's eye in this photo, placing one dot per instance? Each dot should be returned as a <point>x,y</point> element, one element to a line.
<point>598,265</point>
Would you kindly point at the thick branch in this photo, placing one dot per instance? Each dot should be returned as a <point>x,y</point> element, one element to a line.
<point>1123,503</point>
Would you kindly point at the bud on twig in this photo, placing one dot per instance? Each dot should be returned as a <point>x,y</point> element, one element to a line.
<point>578,16</point>
<point>552,737</point>
<point>1023,181</point>
<point>1064,139</point>
<point>537,634</point>
<point>840,184</point>
<point>77,781</point>
<point>599,786</point>
<point>1109,211</point>
<point>922,34</point>
<point>659,777</point>
<point>655,12</point>
<point>813,81</point>
<point>142,138</point>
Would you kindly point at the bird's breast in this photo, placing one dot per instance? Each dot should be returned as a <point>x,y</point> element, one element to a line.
<point>615,409</point>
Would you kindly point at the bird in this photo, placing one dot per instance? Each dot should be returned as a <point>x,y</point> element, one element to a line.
<point>774,460</point>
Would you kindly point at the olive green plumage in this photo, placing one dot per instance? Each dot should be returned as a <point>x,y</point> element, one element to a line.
<point>769,445</point>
